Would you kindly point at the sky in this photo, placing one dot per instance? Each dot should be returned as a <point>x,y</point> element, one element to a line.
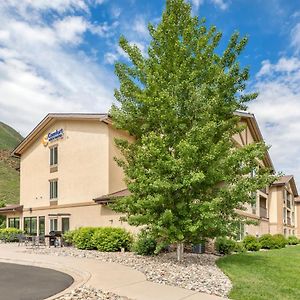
<point>59,55</point>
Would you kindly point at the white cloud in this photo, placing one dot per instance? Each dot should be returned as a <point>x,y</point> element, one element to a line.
<point>111,58</point>
<point>295,37</point>
<point>278,111</point>
<point>71,28</point>
<point>222,4</point>
<point>140,26</point>
<point>39,74</point>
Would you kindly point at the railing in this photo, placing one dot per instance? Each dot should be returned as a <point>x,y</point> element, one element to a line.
<point>263,213</point>
<point>288,221</point>
<point>288,203</point>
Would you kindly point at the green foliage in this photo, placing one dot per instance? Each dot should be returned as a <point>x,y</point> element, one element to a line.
<point>293,240</point>
<point>83,238</point>
<point>279,241</point>
<point>69,236</point>
<point>180,104</point>
<point>9,234</point>
<point>145,244</point>
<point>251,243</point>
<point>225,246</point>
<point>109,239</point>
<point>239,247</point>
<point>267,241</point>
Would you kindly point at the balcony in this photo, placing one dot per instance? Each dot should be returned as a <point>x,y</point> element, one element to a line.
<point>263,213</point>
<point>289,221</point>
<point>288,203</point>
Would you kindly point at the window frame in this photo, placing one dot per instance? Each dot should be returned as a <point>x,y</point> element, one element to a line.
<point>53,189</point>
<point>14,222</point>
<point>53,161</point>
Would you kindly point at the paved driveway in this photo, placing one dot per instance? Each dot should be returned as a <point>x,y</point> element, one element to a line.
<point>19,282</point>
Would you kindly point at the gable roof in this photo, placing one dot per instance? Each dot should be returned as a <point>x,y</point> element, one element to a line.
<point>283,180</point>
<point>254,128</point>
<point>49,120</point>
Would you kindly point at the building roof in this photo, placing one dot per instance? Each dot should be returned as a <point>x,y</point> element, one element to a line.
<point>258,137</point>
<point>283,180</point>
<point>49,120</point>
<point>112,197</point>
<point>11,208</point>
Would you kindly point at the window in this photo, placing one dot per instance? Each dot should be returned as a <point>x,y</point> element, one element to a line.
<point>14,223</point>
<point>53,189</point>
<point>53,224</point>
<point>30,225</point>
<point>65,224</point>
<point>53,156</point>
<point>41,225</point>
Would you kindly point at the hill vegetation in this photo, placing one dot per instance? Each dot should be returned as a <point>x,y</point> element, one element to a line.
<point>9,175</point>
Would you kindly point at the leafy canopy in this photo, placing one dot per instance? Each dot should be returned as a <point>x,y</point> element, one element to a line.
<point>179,104</point>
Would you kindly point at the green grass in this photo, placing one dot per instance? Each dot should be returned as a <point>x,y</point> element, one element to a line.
<point>9,138</point>
<point>9,177</point>
<point>9,184</point>
<point>264,275</point>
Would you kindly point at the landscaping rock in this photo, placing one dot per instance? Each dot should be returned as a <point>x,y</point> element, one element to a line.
<point>196,272</point>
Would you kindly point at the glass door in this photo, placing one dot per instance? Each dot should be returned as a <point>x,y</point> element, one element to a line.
<point>65,224</point>
<point>41,225</point>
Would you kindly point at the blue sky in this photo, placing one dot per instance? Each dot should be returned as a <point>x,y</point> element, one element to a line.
<point>58,55</point>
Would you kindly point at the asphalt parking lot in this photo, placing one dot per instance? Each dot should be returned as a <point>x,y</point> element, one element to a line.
<point>18,282</point>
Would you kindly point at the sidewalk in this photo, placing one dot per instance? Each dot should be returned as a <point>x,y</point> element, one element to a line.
<point>111,277</point>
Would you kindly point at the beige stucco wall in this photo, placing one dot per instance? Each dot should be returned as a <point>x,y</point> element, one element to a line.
<point>82,165</point>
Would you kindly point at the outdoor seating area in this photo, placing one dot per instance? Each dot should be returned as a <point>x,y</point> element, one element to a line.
<point>53,239</point>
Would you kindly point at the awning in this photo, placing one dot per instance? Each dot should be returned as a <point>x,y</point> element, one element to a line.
<point>109,198</point>
<point>10,209</point>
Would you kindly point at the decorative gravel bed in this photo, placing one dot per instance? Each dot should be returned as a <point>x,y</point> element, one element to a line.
<point>88,293</point>
<point>196,272</point>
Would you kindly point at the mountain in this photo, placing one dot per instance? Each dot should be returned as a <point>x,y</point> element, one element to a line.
<point>9,176</point>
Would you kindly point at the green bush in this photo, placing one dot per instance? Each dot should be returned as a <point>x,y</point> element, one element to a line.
<point>251,243</point>
<point>9,234</point>
<point>239,247</point>
<point>267,241</point>
<point>145,244</point>
<point>83,238</point>
<point>224,245</point>
<point>292,240</point>
<point>69,236</point>
<point>109,239</point>
<point>279,241</point>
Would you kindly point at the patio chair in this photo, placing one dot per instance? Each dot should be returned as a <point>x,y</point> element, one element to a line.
<point>22,239</point>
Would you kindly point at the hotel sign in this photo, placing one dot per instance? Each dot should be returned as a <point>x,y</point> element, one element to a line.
<point>53,136</point>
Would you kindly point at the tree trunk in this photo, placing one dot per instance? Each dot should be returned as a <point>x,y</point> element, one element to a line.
<point>180,248</point>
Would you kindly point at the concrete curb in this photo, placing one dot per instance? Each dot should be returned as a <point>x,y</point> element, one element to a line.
<point>80,277</point>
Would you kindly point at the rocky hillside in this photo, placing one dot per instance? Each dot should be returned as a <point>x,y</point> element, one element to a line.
<point>9,175</point>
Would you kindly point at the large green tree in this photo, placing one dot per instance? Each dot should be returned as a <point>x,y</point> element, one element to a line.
<point>185,174</point>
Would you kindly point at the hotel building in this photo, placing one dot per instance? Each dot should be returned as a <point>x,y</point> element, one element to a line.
<point>68,175</point>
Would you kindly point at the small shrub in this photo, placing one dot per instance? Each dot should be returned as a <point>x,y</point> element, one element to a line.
<point>292,240</point>
<point>267,241</point>
<point>69,237</point>
<point>251,243</point>
<point>9,234</point>
<point>239,247</point>
<point>109,239</point>
<point>83,238</point>
<point>224,245</point>
<point>279,241</point>
<point>145,244</point>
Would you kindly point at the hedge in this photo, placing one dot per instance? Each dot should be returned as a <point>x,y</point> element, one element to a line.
<point>145,244</point>
<point>10,234</point>
<point>251,243</point>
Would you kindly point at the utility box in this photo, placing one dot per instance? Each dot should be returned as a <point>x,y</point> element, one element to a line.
<point>199,248</point>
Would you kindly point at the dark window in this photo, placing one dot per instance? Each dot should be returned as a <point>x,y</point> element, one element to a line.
<point>53,156</point>
<point>30,225</point>
<point>65,224</point>
<point>53,189</point>
<point>14,223</point>
<point>41,225</point>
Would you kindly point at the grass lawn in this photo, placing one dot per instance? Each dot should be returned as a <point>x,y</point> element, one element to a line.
<point>264,275</point>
